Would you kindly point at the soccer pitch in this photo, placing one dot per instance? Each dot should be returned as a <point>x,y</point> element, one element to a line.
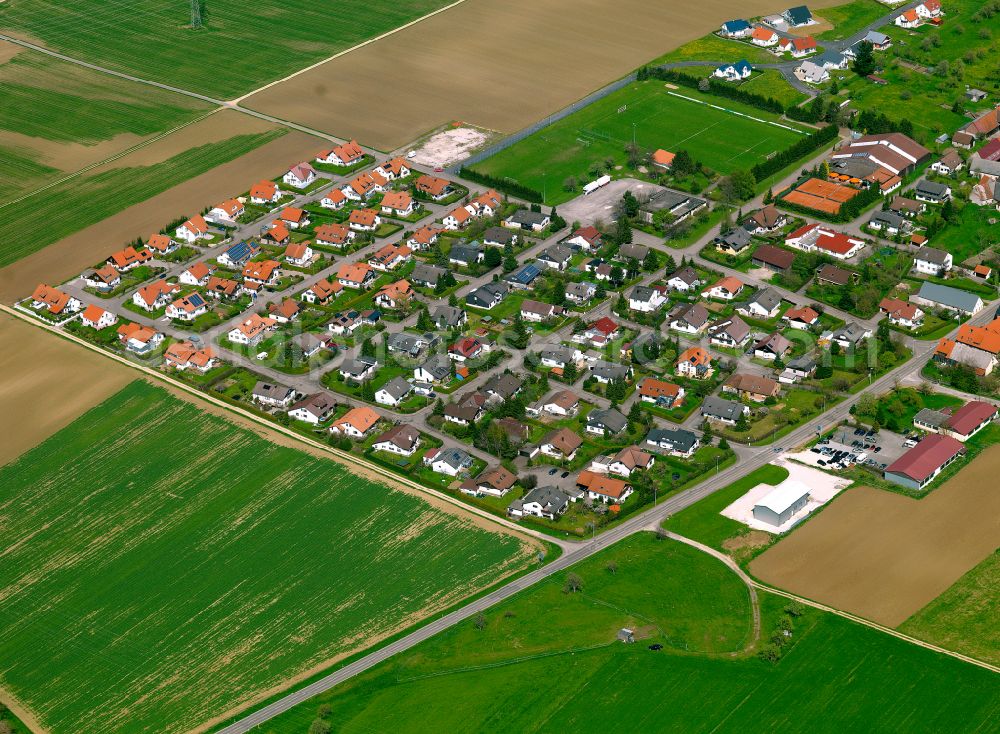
<point>722,134</point>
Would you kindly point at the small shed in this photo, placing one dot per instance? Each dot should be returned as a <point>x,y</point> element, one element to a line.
<point>626,635</point>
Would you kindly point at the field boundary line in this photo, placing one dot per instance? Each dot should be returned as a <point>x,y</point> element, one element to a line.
<point>346,51</point>
<point>875,625</point>
<point>115,157</point>
<point>504,663</point>
<point>343,458</point>
<point>738,114</point>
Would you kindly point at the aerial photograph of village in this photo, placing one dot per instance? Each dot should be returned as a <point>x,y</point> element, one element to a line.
<point>538,366</point>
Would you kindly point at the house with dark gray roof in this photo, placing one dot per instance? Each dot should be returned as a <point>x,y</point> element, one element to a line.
<point>675,441</point>
<point>611,421</point>
<point>888,222</point>
<point>487,296</point>
<point>450,461</point>
<point>734,242</point>
<point>503,386</point>
<point>436,369</point>
<point>426,275</point>
<point>556,257</point>
<point>466,255</point>
<point>523,277</point>
<point>689,318</point>
<point>547,502</point>
<point>449,317</point>
<point>499,237</point>
<point>604,371</point>
<point>528,219</point>
<point>764,304</point>
<point>580,292</point>
<point>393,392</point>
<point>722,410</point>
<point>273,396</point>
<point>931,191</point>
<point>409,344</point>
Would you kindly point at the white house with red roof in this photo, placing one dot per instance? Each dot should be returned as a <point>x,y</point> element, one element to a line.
<point>300,176</point>
<point>194,229</point>
<point>97,318</point>
<point>197,274</point>
<point>264,192</point>
<point>812,237</point>
<point>342,155</point>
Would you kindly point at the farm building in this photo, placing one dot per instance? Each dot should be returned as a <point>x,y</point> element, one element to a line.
<point>920,465</point>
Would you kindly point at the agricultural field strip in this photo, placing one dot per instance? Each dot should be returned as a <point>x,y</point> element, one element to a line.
<point>178,90</point>
<point>111,159</point>
<point>346,51</point>
<point>349,459</point>
<point>187,491</point>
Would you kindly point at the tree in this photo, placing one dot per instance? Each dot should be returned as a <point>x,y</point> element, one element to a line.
<point>630,204</point>
<point>368,348</point>
<point>623,231</point>
<point>670,264</point>
<point>438,408</point>
<point>320,727</point>
<point>424,320</point>
<point>617,275</point>
<point>492,257</point>
<point>509,263</point>
<point>570,372</point>
<point>570,183</point>
<point>573,584</point>
<point>651,262</point>
<point>683,164</point>
<point>738,186</point>
<point>769,196</point>
<point>529,481</point>
<point>558,292</point>
<point>864,59</point>
<point>612,567</point>
<point>723,444</point>
<point>480,621</point>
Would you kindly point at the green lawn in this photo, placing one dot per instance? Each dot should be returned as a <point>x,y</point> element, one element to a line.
<point>720,140</point>
<point>964,618</point>
<point>702,521</point>
<point>926,98</point>
<point>715,48</point>
<point>850,18</point>
<point>238,47</point>
<point>970,235</point>
<point>81,202</point>
<point>526,671</point>
<point>772,83</point>
<point>166,566</point>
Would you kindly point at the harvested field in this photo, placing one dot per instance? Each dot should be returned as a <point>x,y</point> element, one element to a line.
<point>884,556</point>
<point>500,66</point>
<point>450,146</point>
<point>151,585</point>
<point>40,392</point>
<point>79,250</point>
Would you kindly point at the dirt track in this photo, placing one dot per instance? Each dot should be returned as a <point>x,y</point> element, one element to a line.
<point>884,556</point>
<point>500,66</point>
<point>47,382</point>
<point>70,256</point>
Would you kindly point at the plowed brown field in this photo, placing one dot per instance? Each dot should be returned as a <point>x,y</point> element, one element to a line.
<point>47,382</point>
<point>500,66</point>
<point>884,556</point>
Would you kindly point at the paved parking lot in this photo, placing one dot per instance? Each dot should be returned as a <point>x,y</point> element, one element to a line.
<point>600,205</point>
<point>883,448</point>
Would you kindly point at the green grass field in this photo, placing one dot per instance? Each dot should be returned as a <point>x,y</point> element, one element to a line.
<point>162,566</point>
<point>964,618</point>
<point>850,18</point>
<point>88,199</point>
<point>239,47</point>
<point>715,48</point>
<point>721,140</point>
<point>525,671</point>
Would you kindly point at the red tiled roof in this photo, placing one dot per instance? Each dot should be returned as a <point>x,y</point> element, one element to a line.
<point>970,416</point>
<point>920,462</point>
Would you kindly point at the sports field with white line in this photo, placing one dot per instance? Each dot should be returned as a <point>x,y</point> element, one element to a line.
<point>724,135</point>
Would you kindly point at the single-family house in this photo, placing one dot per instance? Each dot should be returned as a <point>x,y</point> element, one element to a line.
<point>694,362</point>
<point>97,318</point>
<point>731,333</point>
<point>252,330</point>
<point>356,423</point>
<point>723,411</point>
<point>300,176</point>
<point>313,409</point>
<point>272,396</point>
